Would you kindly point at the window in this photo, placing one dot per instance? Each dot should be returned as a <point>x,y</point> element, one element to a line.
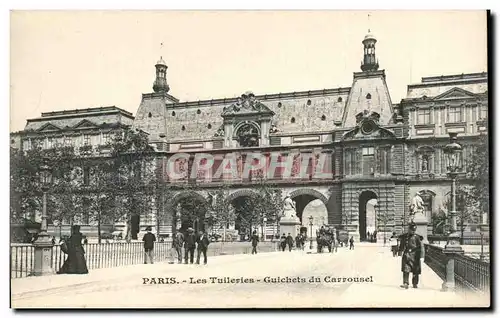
<point>86,211</point>
<point>424,116</point>
<point>367,151</point>
<point>86,175</point>
<point>368,96</point>
<point>368,160</point>
<point>50,143</point>
<point>86,140</point>
<point>68,141</point>
<point>293,120</point>
<point>173,113</point>
<point>323,117</point>
<point>339,99</point>
<point>105,139</point>
<point>427,197</point>
<point>455,115</point>
<point>150,115</point>
<point>483,112</point>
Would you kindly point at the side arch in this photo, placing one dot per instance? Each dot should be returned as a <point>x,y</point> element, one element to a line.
<point>186,194</point>
<point>311,192</point>
<point>241,193</point>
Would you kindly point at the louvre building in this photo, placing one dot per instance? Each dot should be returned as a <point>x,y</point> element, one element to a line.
<point>379,152</point>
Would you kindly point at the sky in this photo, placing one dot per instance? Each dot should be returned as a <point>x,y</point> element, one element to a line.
<point>79,59</point>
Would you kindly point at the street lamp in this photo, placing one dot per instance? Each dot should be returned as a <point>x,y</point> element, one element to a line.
<point>264,220</point>
<point>43,244</point>
<point>376,206</point>
<point>452,247</point>
<point>311,219</point>
<point>452,151</point>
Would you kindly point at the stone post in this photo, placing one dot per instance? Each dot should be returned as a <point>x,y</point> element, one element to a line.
<point>421,222</point>
<point>42,262</point>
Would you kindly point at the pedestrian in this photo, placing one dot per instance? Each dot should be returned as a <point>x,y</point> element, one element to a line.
<point>149,241</point>
<point>283,242</point>
<point>75,263</point>
<point>375,237</point>
<point>255,242</point>
<point>178,242</point>
<point>412,248</point>
<point>289,241</point>
<point>334,241</point>
<point>351,243</point>
<point>203,243</point>
<point>393,241</point>
<point>189,246</point>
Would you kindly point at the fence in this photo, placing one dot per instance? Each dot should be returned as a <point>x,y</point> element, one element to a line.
<point>470,274</point>
<point>117,254</point>
<point>465,240</point>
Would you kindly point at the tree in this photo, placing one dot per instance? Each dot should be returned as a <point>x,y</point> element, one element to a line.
<point>131,168</point>
<point>477,193</point>
<point>222,212</point>
<point>26,189</point>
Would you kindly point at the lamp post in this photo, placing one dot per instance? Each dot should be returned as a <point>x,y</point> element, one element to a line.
<point>43,244</point>
<point>452,247</point>
<point>311,219</point>
<point>264,224</point>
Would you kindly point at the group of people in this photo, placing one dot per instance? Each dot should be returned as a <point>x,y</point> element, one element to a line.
<point>190,243</point>
<point>371,236</point>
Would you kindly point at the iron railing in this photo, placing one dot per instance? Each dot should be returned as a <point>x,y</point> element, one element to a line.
<point>465,240</point>
<point>471,274</point>
<point>116,254</point>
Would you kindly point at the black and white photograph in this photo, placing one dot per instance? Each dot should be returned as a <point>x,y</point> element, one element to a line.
<point>249,159</point>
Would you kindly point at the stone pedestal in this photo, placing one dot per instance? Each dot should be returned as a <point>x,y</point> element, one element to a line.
<point>42,263</point>
<point>290,225</point>
<point>421,222</point>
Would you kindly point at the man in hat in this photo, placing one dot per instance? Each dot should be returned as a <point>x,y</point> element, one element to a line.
<point>189,246</point>
<point>148,239</point>
<point>255,242</point>
<point>203,243</point>
<point>412,249</point>
<point>178,242</point>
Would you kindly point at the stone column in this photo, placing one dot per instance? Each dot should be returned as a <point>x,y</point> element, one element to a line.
<point>421,222</point>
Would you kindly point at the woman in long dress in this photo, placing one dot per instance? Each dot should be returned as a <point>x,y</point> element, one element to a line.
<point>75,262</point>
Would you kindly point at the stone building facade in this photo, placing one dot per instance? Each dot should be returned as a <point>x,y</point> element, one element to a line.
<point>375,148</point>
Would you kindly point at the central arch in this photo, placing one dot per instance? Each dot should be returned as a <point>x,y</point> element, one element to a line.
<point>303,197</point>
<point>245,219</point>
<point>190,210</point>
<point>364,197</point>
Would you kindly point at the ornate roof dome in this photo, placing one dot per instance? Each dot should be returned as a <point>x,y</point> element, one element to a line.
<point>161,62</point>
<point>370,36</point>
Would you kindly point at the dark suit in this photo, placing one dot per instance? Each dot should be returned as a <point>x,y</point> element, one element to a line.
<point>189,246</point>
<point>203,242</point>
<point>412,249</point>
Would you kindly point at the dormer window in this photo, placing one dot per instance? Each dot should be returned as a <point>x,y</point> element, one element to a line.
<point>368,96</point>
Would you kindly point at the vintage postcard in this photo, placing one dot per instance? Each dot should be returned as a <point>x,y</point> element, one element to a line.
<point>249,159</point>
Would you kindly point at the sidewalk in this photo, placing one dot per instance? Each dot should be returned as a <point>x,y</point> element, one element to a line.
<point>35,284</point>
<point>386,291</point>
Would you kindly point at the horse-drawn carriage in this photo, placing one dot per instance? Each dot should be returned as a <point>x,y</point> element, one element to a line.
<point>325,237</point>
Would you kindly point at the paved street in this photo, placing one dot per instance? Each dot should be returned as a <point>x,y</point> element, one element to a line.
<point>124,287</point>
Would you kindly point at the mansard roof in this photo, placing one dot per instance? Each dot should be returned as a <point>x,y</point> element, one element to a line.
<point>89,118</point>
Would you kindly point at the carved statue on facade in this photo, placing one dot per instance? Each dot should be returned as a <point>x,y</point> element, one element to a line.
<point>219,132</point>
<point>417,205</point>
<point>248,136</point>
<point>425,164</point>
<point>247,102</point>
<point>289,211</point>
<point>273,129</point>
